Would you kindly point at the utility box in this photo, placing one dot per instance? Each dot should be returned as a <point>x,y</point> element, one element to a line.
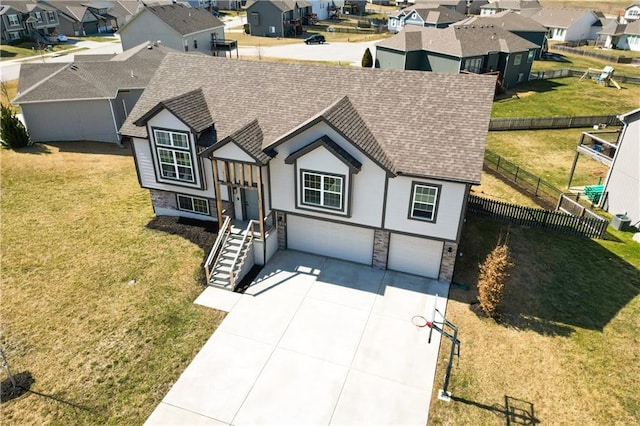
<point>620,222</point>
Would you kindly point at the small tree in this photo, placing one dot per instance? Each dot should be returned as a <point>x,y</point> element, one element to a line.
<point>493,276</point>
<point>13,134</point>
<point>367,59</point>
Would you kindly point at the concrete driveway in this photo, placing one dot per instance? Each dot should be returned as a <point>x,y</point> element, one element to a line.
<point>314,341</point>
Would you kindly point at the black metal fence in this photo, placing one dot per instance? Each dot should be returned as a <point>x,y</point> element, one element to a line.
<point>592,227</point>
<point>546,193</point>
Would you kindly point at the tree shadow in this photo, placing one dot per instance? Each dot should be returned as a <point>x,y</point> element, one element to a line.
<point>35,149</point>
<point>515,411</point>
<point>6,54</point>
<point>558,282</point>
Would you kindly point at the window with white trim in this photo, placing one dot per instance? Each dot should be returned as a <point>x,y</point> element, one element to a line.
<point>517,60</point>
<point>38,16</point>
<point>424,202</point>
<point>52,16</point>
<point>322,190</point>
<point>13,20</point>
<point>14,36</point>
<point>174,155</point>
<point>531,56</point>
<point>193,204</point>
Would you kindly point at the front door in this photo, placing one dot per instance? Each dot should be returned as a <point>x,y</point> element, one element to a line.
<point>250,204</point>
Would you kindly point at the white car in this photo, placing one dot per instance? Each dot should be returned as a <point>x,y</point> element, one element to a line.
<point>61,38</point>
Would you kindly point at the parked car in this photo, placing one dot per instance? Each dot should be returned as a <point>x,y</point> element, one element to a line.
<point>316,38</point>
<point>61,38</point>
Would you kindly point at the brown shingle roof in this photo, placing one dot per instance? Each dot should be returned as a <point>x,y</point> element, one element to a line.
<point>191,108</point>
<point>507,20</point>
<point>283,5</point>
<point>560,17</point>
<point>444,136</point>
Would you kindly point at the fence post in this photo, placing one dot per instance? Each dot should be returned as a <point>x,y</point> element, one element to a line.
<point>517,170</point>
<point>498,163</point>
<point>537,186</point>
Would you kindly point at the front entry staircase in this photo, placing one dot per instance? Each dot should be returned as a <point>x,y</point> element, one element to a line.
<point>230,256</point>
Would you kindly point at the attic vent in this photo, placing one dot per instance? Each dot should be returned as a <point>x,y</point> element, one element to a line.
<point>74,67</point>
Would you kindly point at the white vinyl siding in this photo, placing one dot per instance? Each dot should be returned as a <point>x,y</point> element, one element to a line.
<point>193,204</point>
<point>174,156</point>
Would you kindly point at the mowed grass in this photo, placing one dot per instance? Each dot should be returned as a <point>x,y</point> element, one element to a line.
<point>568,60</point>
<point>28,49</point>
<point>97,307</point>
<point>566,347</point>
<point>548,154</point>
<point>567,96</point>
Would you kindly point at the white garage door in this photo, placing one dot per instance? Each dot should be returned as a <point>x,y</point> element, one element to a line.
<point>330,239</point>
<point>413,255</point>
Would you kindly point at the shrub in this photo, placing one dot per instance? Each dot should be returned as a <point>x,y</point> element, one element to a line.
<point>13,134</point>
<point>367,59</point>
<point>493,276</point>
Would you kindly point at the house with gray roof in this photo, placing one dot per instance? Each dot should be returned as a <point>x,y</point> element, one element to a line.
<point>277,18</point>
<point>437,17</point>
<point>567,24</point>
<point>320,169</point>
<point>631,13</point>
<point>19,20</point>
<point>525,7</point>
<point>459,48</point>
<point>620,36</point>
<point>80,18</point>
<point>86,99</point>
<point>515,23</point>
<point>465,7</point>
<point>177,26</point>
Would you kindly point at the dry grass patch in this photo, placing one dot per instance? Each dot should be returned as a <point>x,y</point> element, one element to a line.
<point>566,345</point>
<point>97,307</point>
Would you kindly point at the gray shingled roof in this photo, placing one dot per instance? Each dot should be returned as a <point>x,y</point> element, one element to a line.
<point>507,20</point>
<point>89,80</point>
<point>283,5</point>
<point>458,40</point>
<point>326,142</point>
<point>185,20</point>
<point>633,28</point>
<point>552,17</point>
<point>437,15</point>
<point>249,137</point>
<point>190,107</point>
<point>429,142</point>
<point>513,5</point>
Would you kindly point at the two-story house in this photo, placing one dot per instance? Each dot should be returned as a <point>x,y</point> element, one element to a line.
<point>277,18</point>
<point>177,26</point>
<point>320,169</point>
<point>568,24</point>
<point>436,17</point>
<point>525,7</point>
<point>631,13</point>
<point>33,20</point>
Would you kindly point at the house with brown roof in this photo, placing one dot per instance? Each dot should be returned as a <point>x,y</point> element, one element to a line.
<point>88,99</point>
<point>437,17</point>
<point>176,26</point>
<point>567,24</point>
<point>320,169</point>
<point>525,7</point>
<point>459,48</point>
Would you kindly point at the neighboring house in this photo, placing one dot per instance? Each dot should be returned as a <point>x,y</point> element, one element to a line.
<point>620,36</point>
<point>459,48</point>
<point>525,7</point>
<point>564,24</point>
<point>622,185</point>
<point>515,23</point>
<point>322,169</point>
<point>437,17</point>
<point>465,7</point>
<point>277,18</point>
<point>631,13</point>
<point>28,19</point>
<point>176,26</point>
<point>88,99</point>
<point>78,18</point>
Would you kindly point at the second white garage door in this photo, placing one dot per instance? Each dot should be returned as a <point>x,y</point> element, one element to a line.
<point>330,239</point>
<point>413,255</point>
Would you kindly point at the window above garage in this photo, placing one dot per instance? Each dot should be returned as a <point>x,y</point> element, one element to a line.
<point>424,201</point>
<point>322,190</point>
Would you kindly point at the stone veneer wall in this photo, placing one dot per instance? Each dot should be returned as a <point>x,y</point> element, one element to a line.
<point>281,224</point>
<point>448,261</point>
<point>168,200</point>
<point>380,249</point>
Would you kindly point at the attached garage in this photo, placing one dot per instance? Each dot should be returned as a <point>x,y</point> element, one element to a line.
<point>413,255</point>
<point>345,242</point>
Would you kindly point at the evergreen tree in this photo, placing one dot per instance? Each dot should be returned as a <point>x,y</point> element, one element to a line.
<point>367,59</point>
<point>13,134</point>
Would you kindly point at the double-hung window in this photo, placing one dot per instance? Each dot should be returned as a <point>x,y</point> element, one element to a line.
<point>174,155</point>
<point>322,190</point>
<point>193,204</point>
<point>424,202</point>
<point>38,16</point>
<point>13,20</point>
<point>52,16</point>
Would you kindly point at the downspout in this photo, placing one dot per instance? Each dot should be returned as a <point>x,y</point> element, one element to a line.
<point>115,125</point>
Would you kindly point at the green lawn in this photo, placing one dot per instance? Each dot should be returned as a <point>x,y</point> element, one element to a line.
<point>548,154</point>
<point>567,96</point>
<point>565,349</point>
<point>568,60</point>
<point>97,307</point>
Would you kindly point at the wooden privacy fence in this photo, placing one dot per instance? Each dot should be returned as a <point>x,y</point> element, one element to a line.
<point>561,122</point>
<point>592,227</point>
<point>616,59</point>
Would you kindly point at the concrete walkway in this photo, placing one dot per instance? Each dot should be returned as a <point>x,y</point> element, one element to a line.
<point>314,341</point>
